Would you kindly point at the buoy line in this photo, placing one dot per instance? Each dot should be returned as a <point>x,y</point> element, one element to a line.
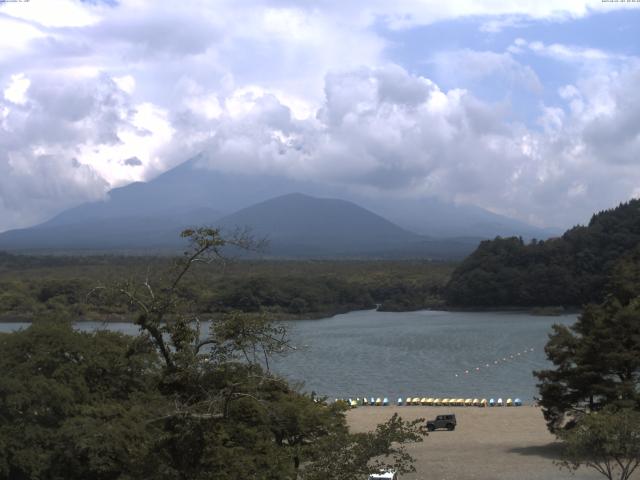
<point>505,359</point>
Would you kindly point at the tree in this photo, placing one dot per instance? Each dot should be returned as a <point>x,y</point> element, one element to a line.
<point>597,363</point>
<point>230,417</point>
<point>174,402</point>
<point>607,441</point>
<point>75,405</point>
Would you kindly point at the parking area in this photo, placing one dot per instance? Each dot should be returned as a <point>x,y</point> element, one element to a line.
<point>487,444</point>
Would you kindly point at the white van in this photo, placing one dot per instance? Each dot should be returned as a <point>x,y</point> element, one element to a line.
<point>384,476</point>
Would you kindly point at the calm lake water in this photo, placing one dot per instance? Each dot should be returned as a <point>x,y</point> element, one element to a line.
<point>425,353</point>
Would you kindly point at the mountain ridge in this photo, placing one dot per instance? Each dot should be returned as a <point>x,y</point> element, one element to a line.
<point>143,213</point>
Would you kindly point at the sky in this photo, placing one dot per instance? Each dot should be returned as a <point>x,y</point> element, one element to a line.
<point>527,109</point>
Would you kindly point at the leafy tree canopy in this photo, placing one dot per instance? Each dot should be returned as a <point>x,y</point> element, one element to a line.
<point>571,270</point>
<point>607,441</point>
<point>174,402</point>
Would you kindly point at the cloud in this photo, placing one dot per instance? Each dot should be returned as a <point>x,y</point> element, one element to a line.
<point>568,53</point>
<point>17,89</point>
<point>387,131</point>
<point>477,65</point>
<point>61,141</point>
<point>308,91</point>
<point>132,162</point>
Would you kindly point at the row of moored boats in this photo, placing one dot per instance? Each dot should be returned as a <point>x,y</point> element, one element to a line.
<point>433,402</point>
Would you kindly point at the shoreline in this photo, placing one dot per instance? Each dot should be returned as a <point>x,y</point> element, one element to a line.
<point>285,317</point>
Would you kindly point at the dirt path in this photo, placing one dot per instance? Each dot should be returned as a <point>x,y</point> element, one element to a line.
<point>488,444</point>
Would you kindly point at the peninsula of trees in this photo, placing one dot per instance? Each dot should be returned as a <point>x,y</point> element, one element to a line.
<point>571,270</point>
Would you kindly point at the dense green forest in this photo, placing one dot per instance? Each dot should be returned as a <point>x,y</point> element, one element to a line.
<point>571,270</point>
<point>70,285</point>
<point>174,402</point>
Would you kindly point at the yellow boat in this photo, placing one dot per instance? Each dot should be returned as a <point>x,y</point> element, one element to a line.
<point>378,401</point>
<point>416,400</point>
<point>445,402</point>
<point>423,401</point>
<point>408,401</point>
<point>475,402</point>
<point>509,402</point>
<point>436,401</point>
<point>468,402</point>
<point>483,402</point>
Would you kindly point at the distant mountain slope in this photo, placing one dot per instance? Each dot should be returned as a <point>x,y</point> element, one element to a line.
<point>436,218</point>
<point>190,186</point>
<point>571,270</point>
<point>297,223</point>
<point>150,214</point>
<point>157,232</point>
<point>183,188</point>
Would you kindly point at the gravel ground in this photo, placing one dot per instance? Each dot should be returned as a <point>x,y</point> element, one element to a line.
<point>488,444</point>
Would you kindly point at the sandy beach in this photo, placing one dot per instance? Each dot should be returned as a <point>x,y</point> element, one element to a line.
<point>488,444</point>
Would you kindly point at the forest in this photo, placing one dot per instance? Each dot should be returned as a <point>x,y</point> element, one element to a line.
<point>569,271</point>
<point>174,402</point>
<point>72,286</point>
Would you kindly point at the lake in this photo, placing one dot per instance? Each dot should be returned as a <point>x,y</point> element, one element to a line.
<point>424,353</point>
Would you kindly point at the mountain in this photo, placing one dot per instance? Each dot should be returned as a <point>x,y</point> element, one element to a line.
<point>150,214</point>
<point>190,185</point>
<point>156,232</point>
<point>436,218</point>
<point>572,270</point>
<point>298,224</point>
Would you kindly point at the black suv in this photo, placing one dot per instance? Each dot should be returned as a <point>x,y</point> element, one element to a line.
<point>442,421</point>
